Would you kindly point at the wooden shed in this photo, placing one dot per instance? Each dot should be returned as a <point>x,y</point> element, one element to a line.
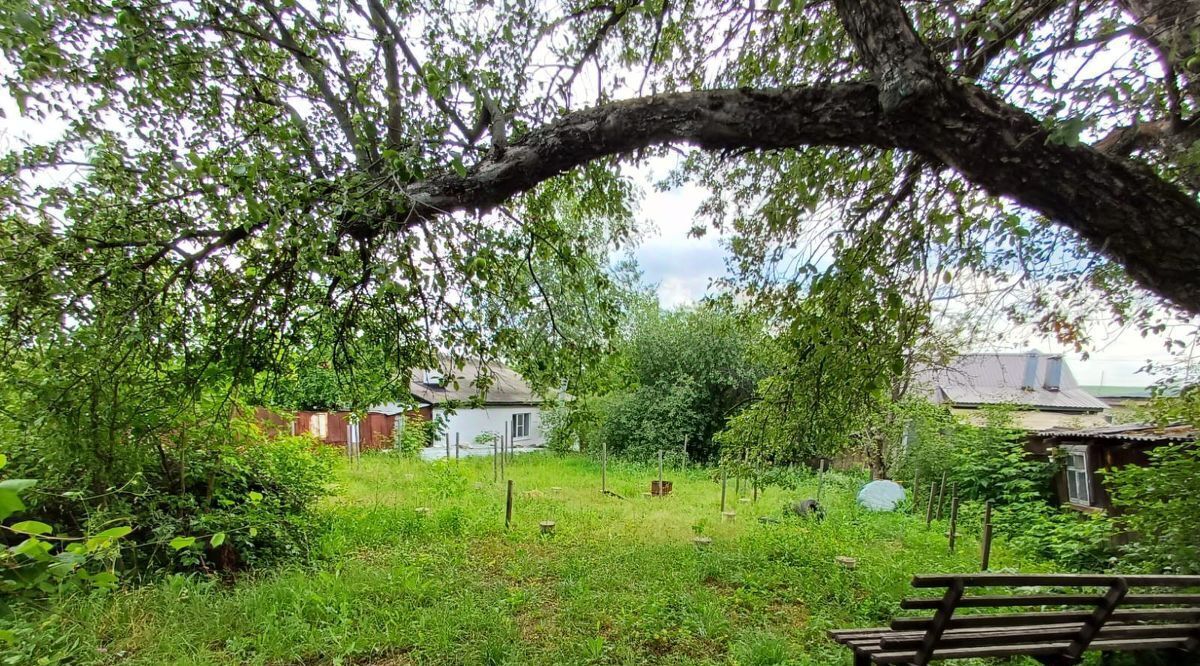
<point>1085,452</point>
<point>374,431</point>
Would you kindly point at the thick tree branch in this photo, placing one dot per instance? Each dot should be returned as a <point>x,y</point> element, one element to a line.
<point>1122,209</point>
<point>884,37</point>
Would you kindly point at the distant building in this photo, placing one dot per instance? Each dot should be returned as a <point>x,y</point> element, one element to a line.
<point>1040,387</point>
<point>1121,400</point>
<point>1085,452</point>
<point>476,401</point>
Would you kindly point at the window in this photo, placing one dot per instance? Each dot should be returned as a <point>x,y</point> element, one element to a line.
<point>318,425</point>
<point>520,426</point>
<point>1079,481</point>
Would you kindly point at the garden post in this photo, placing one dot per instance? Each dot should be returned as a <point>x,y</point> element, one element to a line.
<point>953,519</point>
<point>604,467</point>
<point>457,447</point>
<point>986,556</point>
<point>941,496</point>
<point>929,504</point>
<point>508,506</point>
<point>660,475</point>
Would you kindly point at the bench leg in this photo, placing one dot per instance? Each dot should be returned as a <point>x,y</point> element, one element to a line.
<point>861,659</point>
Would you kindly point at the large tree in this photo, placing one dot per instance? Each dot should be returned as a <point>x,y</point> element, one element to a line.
<point>259,164</point>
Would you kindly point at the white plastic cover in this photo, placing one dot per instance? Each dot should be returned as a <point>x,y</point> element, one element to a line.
<point>881,495</point>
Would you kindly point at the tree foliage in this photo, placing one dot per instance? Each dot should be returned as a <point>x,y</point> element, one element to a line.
<point>680,375</point>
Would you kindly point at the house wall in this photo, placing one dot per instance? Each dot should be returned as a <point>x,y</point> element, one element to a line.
<point>1038,420</point>
<point>1101,455</point>
<point>469,423</point>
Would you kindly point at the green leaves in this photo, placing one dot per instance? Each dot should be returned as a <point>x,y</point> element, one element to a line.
<point>181,542</point>
<point>107,537</point>
<point>32,527</point>
<point>10,499</point>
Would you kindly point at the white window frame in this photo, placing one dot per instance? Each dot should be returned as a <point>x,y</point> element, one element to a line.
<point>524,419</point>
<point>318,425</point>
<point>1079,479</point>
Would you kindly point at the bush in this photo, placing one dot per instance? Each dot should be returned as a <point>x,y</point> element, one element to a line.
<point>990,462</point>
<point>414,434</point>
<point>208,490</point>
<point>1158,509</point>
<point>559,428</point>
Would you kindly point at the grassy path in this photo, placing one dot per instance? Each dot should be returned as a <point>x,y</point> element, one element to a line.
<point>619,583</point>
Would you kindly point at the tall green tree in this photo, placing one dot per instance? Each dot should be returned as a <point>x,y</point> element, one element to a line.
<point>208,180</point>
<point>685,373</point>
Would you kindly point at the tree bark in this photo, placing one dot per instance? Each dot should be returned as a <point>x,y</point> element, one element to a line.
<point>1121,208</point>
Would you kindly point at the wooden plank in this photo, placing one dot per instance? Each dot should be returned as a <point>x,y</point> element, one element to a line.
<point>1090,628</point>
<point>1026,619</point>
<point>1059,632</point>
<point>1010,600</point>
<point>1058,580</point>
<point>939,623</point>
<point>1030,649</point>
<point>998,601</point>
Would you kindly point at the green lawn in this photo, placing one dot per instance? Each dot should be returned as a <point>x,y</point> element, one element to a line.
<point>620,583</point>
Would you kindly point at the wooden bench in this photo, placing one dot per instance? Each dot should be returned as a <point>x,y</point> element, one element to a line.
<point>1113,618</point>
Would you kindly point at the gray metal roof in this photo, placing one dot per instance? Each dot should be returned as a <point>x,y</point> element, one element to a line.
<point>492,384</point>
<point>975,380</point>
<point>1129,432</point>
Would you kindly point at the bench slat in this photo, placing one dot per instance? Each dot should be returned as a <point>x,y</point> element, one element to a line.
<point>1025,619</point>
<point>1030,649</point>
<point>849,637</point>
<point>1001,600</point>
<point>1042,634</point>
<point>1056,580</point>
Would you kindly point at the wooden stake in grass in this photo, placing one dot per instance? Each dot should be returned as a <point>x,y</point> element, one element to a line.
<point>915,489</point>
<point>986,547</point>
<point>457,447</point>
<point>447,446</point>
<point>508,506</point>
<point>660,476</point>
<point>929,505</point>
<point>604,467</point>
<point>724,479</point>
<point>941,496</point>
<point>953,520</point>
<point>495,461</point>
<point>503,455</point>
<point>754,483</point>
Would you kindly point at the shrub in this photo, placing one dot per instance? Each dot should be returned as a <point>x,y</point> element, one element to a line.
<point>414,434</point>
<point>207,490</point>
<point>1159,510</point>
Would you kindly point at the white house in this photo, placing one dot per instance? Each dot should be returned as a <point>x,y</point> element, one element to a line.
<point>471,404</point>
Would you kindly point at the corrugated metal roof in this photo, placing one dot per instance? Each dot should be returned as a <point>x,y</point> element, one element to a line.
<point>974,380</point>
<point>1129,432</point>
<point>493,384</point>
<point>1119,391</point>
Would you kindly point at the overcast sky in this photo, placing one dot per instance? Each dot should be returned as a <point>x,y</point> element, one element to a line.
<point>683,269</point>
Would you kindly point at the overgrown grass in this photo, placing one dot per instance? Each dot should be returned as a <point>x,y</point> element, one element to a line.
<point>619,583</point>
